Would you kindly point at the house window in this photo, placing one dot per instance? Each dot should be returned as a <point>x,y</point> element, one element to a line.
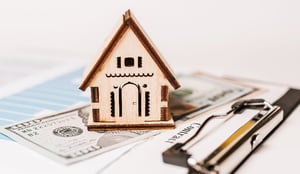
<point>147,103</point>
<point>129,61</point>
<point>119,62</point>
<point>96,115</point>
<point>164,114</point>
<point>164,93</point>
<point>140,62</point>
<point>112,104</point>
<point>95,94</point>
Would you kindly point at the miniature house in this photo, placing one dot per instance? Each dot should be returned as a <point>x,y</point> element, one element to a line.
<point>129,82</point>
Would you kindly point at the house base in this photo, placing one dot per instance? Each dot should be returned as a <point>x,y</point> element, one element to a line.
<point>97,126</point>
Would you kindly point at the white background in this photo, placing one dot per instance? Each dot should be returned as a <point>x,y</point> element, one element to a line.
<point>258,39</point>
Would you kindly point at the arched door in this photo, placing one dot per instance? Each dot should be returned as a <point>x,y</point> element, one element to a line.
<point>129,101</point>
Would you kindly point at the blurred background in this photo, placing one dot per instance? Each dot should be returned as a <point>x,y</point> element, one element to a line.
<point>256,39</point>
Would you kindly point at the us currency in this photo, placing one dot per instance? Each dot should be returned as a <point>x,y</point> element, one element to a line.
<point>201,92</point>
<point>63,136</point>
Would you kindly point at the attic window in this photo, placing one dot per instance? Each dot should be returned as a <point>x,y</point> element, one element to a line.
<point>129,61</point>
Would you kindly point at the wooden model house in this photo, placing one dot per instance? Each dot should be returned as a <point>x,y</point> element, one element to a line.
<point>129,82</point>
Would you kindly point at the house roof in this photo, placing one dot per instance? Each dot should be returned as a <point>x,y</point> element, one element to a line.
<point>129,21</point>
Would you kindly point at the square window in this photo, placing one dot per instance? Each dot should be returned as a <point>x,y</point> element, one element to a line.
<point>129,61</point>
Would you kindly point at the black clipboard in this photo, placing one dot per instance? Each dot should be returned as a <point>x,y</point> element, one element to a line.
<point>270,117</point>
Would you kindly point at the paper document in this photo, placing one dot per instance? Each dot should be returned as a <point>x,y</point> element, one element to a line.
<point>45,95</point>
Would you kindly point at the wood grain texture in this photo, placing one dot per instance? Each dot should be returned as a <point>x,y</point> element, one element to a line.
<point>129,21</point>
<point>96,115</point>
<point>155,125</point>
<point>164,114</point>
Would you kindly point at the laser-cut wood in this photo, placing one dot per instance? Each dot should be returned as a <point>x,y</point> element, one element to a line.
<point>133,81</point>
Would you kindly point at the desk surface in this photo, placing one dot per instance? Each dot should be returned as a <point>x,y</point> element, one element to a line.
<point>256,39</point>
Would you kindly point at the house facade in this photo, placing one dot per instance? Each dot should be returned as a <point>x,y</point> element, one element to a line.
<point>130,82</point>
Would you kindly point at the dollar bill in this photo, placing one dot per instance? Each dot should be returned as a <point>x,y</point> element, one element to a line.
<point>64,137</point>
<point>201,92</point>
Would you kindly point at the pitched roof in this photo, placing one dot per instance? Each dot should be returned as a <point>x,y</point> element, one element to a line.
<point>129,21</point>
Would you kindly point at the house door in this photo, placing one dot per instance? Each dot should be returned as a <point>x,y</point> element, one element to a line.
<point>129,101</point>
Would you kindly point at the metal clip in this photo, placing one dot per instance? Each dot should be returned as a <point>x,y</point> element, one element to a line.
<point>240,106</point>
<point>177,155</point>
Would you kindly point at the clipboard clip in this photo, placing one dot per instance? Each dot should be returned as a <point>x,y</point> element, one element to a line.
<point>236,147</point>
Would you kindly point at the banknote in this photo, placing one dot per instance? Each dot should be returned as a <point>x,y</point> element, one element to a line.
<point>201,92</point>
<point>63,136</point>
